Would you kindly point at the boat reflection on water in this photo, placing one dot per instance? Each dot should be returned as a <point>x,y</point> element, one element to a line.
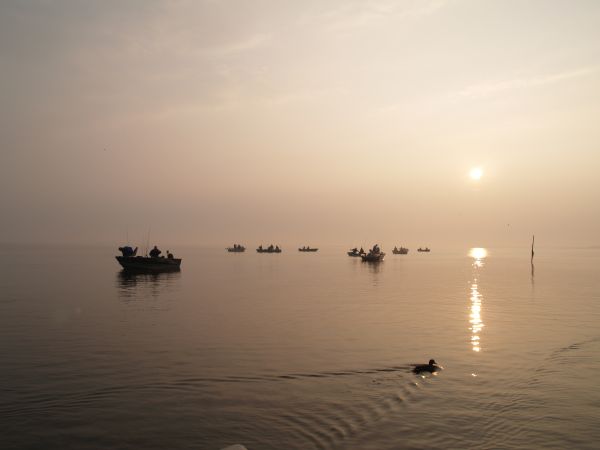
<point>478,254</point>
<point>375,268</point>
<point>139,284</point>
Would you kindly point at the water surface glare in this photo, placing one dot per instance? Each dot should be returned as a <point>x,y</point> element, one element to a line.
<point>300,350</point>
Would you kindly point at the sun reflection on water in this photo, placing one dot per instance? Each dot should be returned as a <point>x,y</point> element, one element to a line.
<point>478,255</point>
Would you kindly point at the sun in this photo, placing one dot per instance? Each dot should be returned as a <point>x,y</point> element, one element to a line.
<point>478,253</point>
<point>476,173</point>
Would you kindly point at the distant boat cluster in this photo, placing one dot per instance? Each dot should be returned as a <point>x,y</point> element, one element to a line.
<point>373,255</point>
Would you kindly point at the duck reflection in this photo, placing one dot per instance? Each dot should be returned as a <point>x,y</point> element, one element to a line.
<point>478,255</point>
<point>133,284</point>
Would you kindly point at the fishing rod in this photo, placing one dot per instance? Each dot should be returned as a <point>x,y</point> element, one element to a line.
<point>148,241</point>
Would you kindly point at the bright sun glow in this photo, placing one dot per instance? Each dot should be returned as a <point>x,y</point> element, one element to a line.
<point>476,173</point>
<point>478,253</point>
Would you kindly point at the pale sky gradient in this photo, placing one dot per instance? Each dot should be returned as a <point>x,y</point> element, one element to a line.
<point>300,122</point>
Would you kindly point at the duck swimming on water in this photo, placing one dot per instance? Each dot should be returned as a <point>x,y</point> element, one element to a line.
<point>431,367</point>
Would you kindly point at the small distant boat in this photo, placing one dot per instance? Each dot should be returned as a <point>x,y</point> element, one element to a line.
<point>426,249</point>
<point>307,249</point>
<point>374,255</point>
<point>236,249</point>
<point>269,249</point>
<point>400,251</point>
<point>356,253</point>
<point>148,263</point>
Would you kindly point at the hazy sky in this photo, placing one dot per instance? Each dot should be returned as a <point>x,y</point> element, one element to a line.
<point>300,122</point>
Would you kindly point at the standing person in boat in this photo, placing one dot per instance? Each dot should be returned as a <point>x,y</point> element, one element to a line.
<point>169,255</point>
<point>128,251</point>
<point>155,252</point>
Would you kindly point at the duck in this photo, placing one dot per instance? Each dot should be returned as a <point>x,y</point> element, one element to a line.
<point>430,367</point>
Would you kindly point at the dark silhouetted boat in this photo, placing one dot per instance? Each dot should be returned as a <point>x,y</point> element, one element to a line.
<point>356,253</point>
<point>307,249</point>
<point>374,255</point>
<point>269,249</point>
<point>400,251</point>
<point>148,264</point>
<point>426,249</point>
<point>236,249</point>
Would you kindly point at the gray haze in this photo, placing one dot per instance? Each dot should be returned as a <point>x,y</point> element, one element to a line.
<point>300,122</point>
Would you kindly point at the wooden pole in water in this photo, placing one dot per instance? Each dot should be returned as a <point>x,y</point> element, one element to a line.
<point>532,252</point>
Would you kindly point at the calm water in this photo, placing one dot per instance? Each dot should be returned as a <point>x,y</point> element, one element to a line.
<point>300,351</point>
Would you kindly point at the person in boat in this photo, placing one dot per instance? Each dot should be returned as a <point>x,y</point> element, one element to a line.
<point>270,248</point>
<point>354,250</point>
<point>362,251</point>
<point>260,247</point>
<point>128,251</point>
<point>155,252</point>
<point>277,248</point>
<point>169,255</point>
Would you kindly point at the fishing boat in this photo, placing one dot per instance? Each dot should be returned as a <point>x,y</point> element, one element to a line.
<point>426,249</point>
<point>236,248</point>
<point>374,255</point>
<point>269,249</point>
<point>400,251</point>
<point>148,263</point>
<point>354,252</point>
<point>307,249</point>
